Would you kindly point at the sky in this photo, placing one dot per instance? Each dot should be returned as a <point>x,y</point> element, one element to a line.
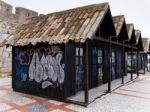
<point>135,11</point>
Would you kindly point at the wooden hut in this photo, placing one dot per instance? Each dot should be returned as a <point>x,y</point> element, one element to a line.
<point>139,53</point>
<point>131,42</point>
<point>62,53</point>
<point>119,55</point>
<point>146,55</point>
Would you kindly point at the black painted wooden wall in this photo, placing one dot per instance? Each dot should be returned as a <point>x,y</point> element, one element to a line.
<point>40,70</point>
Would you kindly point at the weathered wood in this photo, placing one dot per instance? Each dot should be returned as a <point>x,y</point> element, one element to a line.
<point>87,75</point>
<point>110,65</point>
<point>13,70</point>
<point>132,64</point>
<point>70,73</point>
<point>35,84</point>
<point>137,64</point>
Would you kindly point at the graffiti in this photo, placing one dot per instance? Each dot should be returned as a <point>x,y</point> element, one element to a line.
<point>36,69</point>
<point>24,77</point>
<point>50,68</point>
<point>46,84</point>
<point>22,57</point>
<point>43,66</point>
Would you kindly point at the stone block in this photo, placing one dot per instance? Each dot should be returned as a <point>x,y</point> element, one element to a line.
<point>5,70</point>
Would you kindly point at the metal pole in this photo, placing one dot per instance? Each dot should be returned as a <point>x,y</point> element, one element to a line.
<point>110,61</point>
<point>132,64</point>
<point>144,61</point>
<point>147,55</point>
<point>123,64</point>
<point>137,64</point>
<point>147,62</point>
<point>87,74</point>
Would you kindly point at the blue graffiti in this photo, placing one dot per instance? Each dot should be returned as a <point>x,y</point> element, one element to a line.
<point>21,70</point>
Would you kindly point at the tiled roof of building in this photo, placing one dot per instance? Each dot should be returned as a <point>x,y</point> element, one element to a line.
<point>118,22</point>
<point>146,44</point>
<point>77,24</point>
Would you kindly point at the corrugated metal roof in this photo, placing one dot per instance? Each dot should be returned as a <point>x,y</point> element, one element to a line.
<point>77,24</point>
<point>118,22</point>
<point>146,44</point>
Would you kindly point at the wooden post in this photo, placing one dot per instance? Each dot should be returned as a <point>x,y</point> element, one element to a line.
<point>131,64</point>
<point>137,64</point>
<point>144,61</point>
<point>87,75</point>
<point>110,66</point>
<point>13,70</point>
<point>123,64</point>
<point>147,60</point>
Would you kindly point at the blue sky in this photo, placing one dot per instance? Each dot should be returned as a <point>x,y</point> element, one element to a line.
<point>135,11</point>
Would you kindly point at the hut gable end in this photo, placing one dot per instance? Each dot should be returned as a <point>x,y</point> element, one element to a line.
<point>146,44</point>
<point>131,33</point>
<point>139,42</point>
<point>120,27</point>
<point>106,28</point>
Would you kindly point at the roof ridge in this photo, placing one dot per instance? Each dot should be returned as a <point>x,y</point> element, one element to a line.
<point>130,24</point>
<point>119,16</point>
<point>80,7</point>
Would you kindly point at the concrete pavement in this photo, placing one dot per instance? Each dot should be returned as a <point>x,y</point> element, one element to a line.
<point>132,97</point>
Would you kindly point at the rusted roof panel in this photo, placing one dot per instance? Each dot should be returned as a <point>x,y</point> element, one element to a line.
<point>77,24</point>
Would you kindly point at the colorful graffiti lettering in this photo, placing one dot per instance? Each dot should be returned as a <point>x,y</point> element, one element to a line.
<point>43,65</point>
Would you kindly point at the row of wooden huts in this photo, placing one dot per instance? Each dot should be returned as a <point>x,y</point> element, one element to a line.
<point>61,54</point>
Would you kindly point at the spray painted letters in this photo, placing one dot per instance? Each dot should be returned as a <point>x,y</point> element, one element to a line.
<point>44,65</point>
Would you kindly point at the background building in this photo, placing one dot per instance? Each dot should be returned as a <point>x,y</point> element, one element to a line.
<point>8,24</point>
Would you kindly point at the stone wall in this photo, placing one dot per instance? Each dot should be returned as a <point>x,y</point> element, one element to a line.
<point>22,14</point>
<point>8,24</point>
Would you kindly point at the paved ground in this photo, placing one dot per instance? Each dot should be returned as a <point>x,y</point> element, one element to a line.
<point>17,102</point>
<point>133,97</point>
